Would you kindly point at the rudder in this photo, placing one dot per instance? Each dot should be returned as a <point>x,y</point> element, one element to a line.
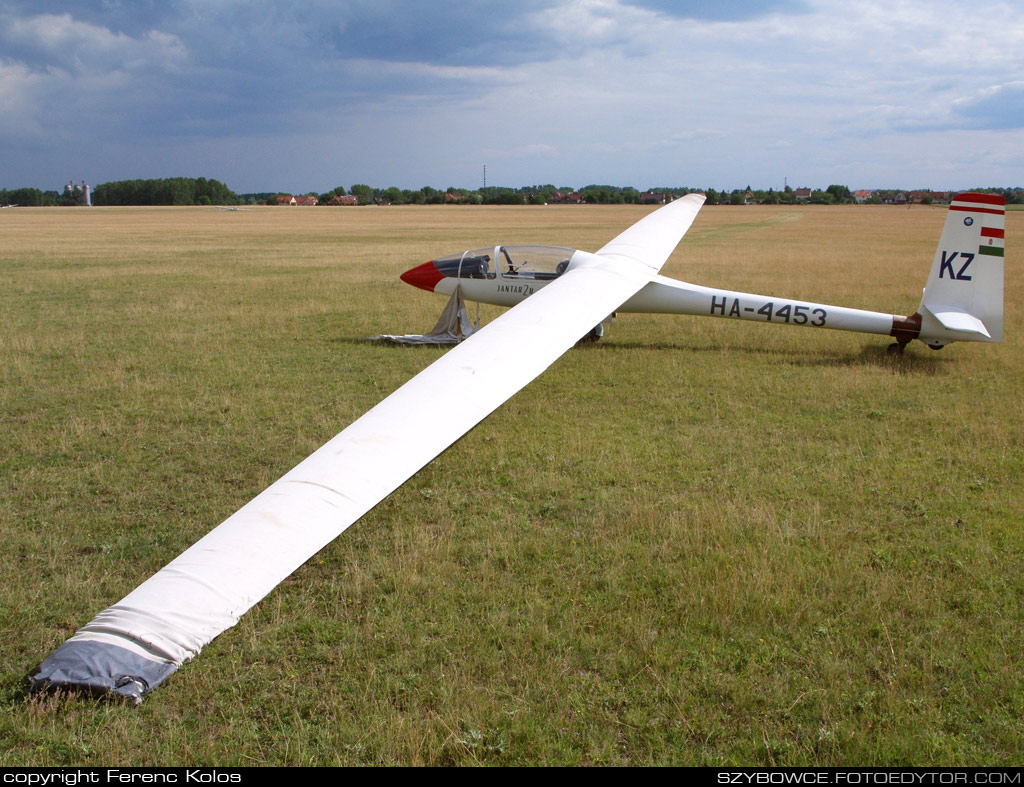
<point>963,300</point>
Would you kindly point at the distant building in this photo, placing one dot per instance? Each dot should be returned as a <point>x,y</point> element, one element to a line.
<point>653,197</point>
<point>69,190</point>
<point>860,196</point>
<point>343,199</point>
<point>308,200</point>
<point>284,199</point>
<point>918,197</point>
<point>802,194</point>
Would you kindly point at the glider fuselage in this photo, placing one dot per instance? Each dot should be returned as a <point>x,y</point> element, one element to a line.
<point>523,270</point>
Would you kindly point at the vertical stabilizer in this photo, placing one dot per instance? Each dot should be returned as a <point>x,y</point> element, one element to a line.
<point>964,297</point>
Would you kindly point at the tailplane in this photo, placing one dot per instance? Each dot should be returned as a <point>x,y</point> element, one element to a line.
<point>963,300</point>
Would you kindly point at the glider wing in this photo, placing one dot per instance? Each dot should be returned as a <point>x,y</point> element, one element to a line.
<point>134,645</point>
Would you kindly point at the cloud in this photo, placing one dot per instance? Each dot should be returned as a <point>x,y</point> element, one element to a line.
<point>996,107</point>
<point>631,91</point>
<point>59,42</point>
<point>717,11</point>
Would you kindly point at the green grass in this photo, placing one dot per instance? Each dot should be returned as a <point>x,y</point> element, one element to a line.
<point>698,542</point>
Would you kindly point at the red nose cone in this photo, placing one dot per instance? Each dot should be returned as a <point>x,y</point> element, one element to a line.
<point>425,276</point>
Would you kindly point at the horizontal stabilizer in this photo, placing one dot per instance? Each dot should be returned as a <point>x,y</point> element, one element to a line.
<point>956,319</point>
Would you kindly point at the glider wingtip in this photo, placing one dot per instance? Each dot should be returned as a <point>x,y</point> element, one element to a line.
<point>99,669</point>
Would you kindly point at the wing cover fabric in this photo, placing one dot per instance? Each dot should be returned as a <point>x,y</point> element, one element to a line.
<point>452,327</point>
<point>132,646</point>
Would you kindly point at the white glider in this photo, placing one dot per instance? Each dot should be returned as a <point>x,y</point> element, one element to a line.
<point>963,300</point>
<point>131,647</point>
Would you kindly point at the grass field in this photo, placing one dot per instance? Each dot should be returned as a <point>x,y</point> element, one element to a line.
<point>697,542</point>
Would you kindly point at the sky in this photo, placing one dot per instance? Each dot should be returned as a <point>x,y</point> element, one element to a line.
<point>300,97</point>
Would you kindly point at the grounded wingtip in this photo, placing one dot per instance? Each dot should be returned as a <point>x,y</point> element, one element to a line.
<point>100,668</point>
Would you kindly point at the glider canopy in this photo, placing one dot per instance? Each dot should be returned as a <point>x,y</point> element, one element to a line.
<point>542,263</point>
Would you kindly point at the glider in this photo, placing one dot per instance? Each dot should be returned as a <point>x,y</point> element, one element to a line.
<point>963,300</point>
<point>131,647</point>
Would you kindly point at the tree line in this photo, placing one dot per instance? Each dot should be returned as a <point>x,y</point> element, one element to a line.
<point>160,191</point>
<point>835,194</point>
<point>203,191</point>
<point>31,197</point>
<point>164,191</point>
<point>488,195</point>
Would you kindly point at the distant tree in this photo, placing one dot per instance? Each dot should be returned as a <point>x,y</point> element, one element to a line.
<point>394,195</point>
<point>256,197</point>
<point>840,194</point>
<point>604,194</point>
<point>327,196</point>
<point>363,193</point>
<point>164,191</point>
<point>540,194</point>
<point>25,197</point>
<point>431,196</point>
<point>71,198</point>
<point>501,195</point>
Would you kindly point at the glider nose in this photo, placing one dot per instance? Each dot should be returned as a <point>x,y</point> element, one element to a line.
<point>425,276</point>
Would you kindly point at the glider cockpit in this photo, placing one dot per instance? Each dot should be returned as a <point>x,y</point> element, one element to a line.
<point>539,263</point>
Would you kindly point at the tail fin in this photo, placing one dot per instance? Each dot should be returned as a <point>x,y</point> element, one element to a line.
<point>964,297</point>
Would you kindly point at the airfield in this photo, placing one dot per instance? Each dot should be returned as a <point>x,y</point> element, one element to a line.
<point>699,541</point>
